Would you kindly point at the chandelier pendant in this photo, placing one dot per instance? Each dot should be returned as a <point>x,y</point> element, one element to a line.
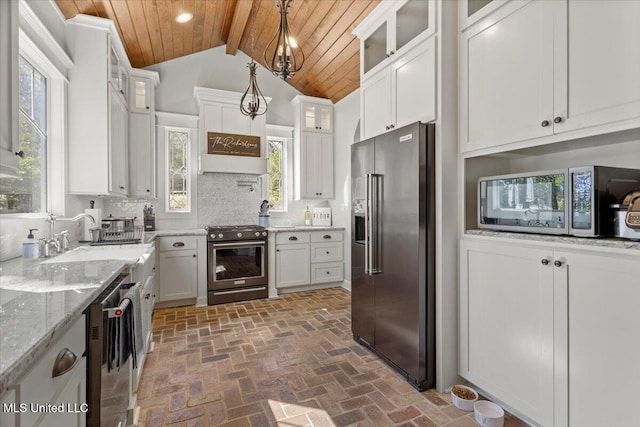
<point>253,102</point>
<point>282,56</point>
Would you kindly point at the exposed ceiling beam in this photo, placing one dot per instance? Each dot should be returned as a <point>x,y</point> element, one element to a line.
<point>238,23</point>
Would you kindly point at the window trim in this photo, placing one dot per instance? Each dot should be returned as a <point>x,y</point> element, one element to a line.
<point>189,133</point>
<point>285,173</point>
<point>56,149</point>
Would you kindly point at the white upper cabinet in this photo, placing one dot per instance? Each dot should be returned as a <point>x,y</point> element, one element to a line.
<point>8,87</point>
<point>118,75</point>
<point>313,148</point>
<point>397,65</point>
<point>391,29</point>
<point>98,114</point>
<point>317,118</point>
<point>528,70</point>
<point>400,94</point>
<point>142,135</point>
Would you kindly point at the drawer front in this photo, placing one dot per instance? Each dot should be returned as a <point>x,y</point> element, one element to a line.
<point>178,243</point>
<point>292,237</point>
<point>327,272</point>
<point>326,252</point>
<point>326,236</point>
<point>38,385</point>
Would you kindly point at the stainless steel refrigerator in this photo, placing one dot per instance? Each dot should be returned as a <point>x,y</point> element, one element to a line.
<point>392,249</point>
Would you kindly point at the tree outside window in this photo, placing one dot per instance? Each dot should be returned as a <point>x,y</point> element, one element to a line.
<point>276,169</point>
<point>27,193</point>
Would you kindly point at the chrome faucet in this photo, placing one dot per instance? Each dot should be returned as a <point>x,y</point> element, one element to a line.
<point>60,242</point>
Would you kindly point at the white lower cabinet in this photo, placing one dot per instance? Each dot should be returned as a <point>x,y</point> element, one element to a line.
<point>179,262</point>
<point>305,258</point>
<point>67,390</point>
<point>549,332</point>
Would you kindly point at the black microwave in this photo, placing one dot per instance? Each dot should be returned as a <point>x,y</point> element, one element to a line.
<point>572,201</point>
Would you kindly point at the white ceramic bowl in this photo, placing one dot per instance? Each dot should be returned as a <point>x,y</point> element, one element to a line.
<point>488,414</point>
<point>464,404</point>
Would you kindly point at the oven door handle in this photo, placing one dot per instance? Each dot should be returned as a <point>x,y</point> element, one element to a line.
<point>226,245</point>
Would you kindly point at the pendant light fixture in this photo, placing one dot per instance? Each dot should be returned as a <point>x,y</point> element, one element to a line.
<point>253,103</point>
<point>282,56</point>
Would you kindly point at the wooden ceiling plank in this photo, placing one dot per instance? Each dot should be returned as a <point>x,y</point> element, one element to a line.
<point>208,24</point>
<point>86,7</point>
<point>68,8</point>
<point>238,24</point>
<point>128,35</point>
<point>350,53</point>
<point>188,27</point>
<point>248,37</point>
<point>334,75</point>
<point>150,10</point>
<point>269,24</point>
<point>216,39</point>
<point>336,93</point>
<point>165,20</point>
<point>339,35</point>
<point>199,12</point>
<point>178,46</point>
<point>142,31</point>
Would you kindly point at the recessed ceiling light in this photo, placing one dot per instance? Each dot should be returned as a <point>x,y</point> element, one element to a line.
<point>184,17</point>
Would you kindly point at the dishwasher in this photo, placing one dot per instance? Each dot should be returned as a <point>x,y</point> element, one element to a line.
<point>109,356</point>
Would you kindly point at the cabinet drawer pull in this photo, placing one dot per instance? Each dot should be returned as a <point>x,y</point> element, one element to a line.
<point>178,244</point>
<point>557,263</point>
<point>326,236</point>
<point>293,238</point>
<point>327,252</point>
<point>544,261</point>
<point>544,123</point>
<point>65,361</point>
<point>557,120</point>
<point>328,272</point>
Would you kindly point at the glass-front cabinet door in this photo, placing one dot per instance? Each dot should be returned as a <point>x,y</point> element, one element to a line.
<point>140,99</point>
<point>317,118</point>
<point>375,48</point>
<point>411,20</point>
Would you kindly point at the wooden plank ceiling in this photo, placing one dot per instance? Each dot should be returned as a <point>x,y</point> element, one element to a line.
<point>323,28</point>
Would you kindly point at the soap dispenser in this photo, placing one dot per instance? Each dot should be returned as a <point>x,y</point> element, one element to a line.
<point>30,246</point>
<point>307,216</point>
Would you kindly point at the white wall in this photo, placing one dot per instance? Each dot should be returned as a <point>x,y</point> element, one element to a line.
<point>213,68</point>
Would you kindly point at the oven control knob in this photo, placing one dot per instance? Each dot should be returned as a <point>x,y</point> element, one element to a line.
<point>264,233</point>
<point>220,236</point>
<point>213,236</point>
<point>239,234</point>
<point>257,233</point>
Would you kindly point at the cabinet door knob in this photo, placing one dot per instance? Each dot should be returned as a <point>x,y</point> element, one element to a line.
<point>65,361</point>
<point>148,191</point>
<point>327,252</point>
<point>147,107</point>
<point>121,91</point>
<point>277,250</point>
<point>194,255</point>
<point>544,123</point>
<point>20,154</point>
<point>147,296</point>
<point>557,263</point>
<point>544,261</point>
<point>392,126</point>
<point>328,272</point>
<point>557,120</point>
<point>293,238</point>
<point>178,244</point>
<point>122,187</point>
<point>386,127</point>
<point>392,52</point>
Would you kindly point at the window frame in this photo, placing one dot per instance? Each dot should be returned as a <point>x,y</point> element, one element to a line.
<point>284,171</point>
<point>56,114</point>
<point>188,131</point>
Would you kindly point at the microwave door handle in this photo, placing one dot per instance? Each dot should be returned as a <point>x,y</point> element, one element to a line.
<point>367,223</point>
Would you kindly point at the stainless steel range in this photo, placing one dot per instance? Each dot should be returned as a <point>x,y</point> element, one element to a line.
<point>236,263</point>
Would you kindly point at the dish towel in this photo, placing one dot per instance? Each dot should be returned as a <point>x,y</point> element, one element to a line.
<point>131,336</point>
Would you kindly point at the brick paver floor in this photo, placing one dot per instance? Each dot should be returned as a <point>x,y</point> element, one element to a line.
<point>288,361</point>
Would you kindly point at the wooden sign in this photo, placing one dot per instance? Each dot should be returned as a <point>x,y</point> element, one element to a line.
<point>233,145</point>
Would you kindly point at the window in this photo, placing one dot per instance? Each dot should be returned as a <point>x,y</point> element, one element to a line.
<point>28,192</point>
<point>178,170</point>
<point>276,170</point>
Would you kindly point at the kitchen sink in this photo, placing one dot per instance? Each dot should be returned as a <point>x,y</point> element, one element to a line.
<point>131,253</point>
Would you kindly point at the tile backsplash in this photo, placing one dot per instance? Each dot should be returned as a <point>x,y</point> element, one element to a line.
<point>228,199</point>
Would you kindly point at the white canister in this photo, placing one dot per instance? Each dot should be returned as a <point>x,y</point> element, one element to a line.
<point>263,220</point>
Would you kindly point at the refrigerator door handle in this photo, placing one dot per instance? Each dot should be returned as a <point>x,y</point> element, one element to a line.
<point>375,261</point>
<point>367,224</point>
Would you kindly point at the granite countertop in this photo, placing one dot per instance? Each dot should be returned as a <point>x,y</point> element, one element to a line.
<point>38,302</point>
<point>614,243</point>
<point>302,228</point>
